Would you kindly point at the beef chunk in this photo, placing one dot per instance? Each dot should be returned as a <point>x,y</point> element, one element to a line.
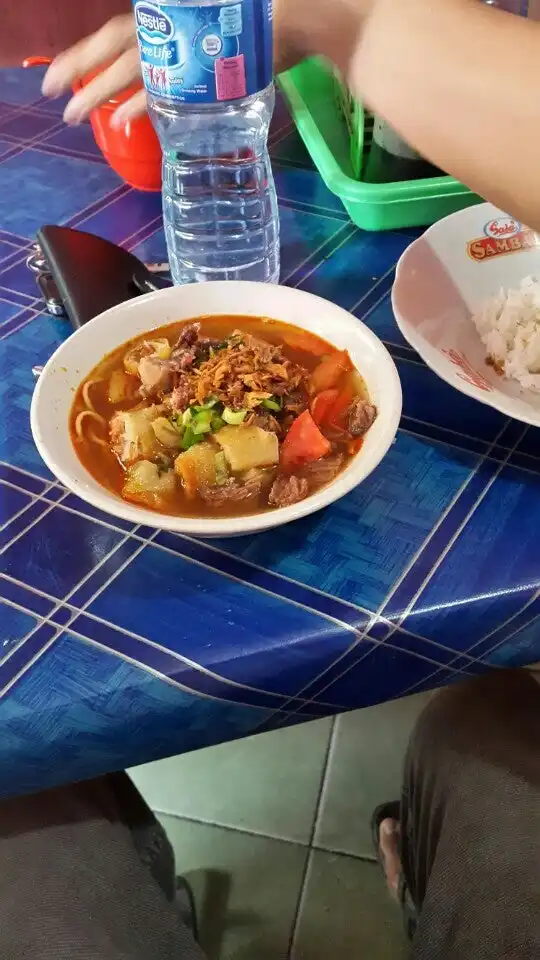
<point>265,351</point>
<point>183,358</point>
<point>181,395</point>
<point>288,490</point>
<point>188,336</point>
<point>295,403</point>
<point>204,346</point>
<point>360,417</point>
<point>266,422</point>
<point>321,472</point>
<point>231,492</point>
<point>184,351</point>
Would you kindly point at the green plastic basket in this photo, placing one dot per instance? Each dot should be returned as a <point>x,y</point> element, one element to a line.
<point>310,91</point>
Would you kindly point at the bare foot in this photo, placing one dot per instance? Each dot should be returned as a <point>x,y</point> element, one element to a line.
<point>388,842</point>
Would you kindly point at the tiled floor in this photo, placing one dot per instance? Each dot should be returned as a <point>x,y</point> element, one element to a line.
<point>273,833</point>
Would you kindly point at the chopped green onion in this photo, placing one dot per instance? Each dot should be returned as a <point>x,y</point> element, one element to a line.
<point>190,438</point>
<point>271,405</point>
<point>217,423</point>
<point>203,415</point>
<point>234,417</point>
<point>177,423</point>
<point>200,422</point>
<point>200,428</point>
<point>222,473</point>
<point>207,405</point>
<point>187,417</point>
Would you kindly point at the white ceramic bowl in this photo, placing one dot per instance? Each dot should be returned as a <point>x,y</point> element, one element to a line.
<point>442,279</point>
<point>75,358</point>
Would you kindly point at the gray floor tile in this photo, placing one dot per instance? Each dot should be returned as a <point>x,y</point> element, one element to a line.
<point>364,770</point>
<point>268,783</point>
<point>246,888</point>
<point>347,913</point>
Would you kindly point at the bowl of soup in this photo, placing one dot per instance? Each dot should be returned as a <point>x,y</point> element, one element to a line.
<point>217,409</point>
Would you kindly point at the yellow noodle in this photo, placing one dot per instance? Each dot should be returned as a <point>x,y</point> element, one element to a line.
<point>102,443</point>
<point>93,415</point>
<point>85,393</point>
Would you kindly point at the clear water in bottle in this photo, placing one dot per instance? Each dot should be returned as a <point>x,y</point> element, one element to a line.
<point>207,69</point>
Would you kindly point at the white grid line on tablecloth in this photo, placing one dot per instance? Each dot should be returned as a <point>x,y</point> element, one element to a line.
<point>82,610</point>
<point>457,534</point>
<point>304,206</point>
<point>381,281</point>
<point>316,266</point>
<point>34,498</point>
<point>369,615</point>
<point>33,523</point>
<point>328,241</point>
<point>25,143</point>
<point>401,578</point>
<point>396,625</point>
<point>61,629</point>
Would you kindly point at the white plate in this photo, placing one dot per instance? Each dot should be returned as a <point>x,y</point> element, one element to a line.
<point>441,280</point>
<point>75,358</point>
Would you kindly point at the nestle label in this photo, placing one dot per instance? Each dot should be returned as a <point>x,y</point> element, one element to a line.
<point>153,24</point>
<point>205,51</point>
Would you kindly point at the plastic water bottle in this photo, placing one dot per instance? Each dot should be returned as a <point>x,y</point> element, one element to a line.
<point>207,69</point>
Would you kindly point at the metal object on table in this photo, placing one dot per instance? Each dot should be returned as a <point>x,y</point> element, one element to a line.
<point>37,263</point>
<point>144,285</point>
<point>53,302</point>
<point>78,302</point>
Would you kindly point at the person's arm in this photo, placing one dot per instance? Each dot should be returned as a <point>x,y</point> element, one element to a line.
<point>457,79</point>
<point>460,81</point>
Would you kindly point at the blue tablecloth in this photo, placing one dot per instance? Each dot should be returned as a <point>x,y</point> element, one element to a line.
<point>120,644</point>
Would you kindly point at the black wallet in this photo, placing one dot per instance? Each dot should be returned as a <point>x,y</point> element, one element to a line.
<point>84,275</point>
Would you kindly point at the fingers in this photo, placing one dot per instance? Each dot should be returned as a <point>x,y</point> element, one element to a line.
<point>119,75</point>
<point>115,37</point>
<point>129,110</point>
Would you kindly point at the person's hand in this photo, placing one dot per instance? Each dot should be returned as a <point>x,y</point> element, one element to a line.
<point>297,33</point>
<point>114,44</point>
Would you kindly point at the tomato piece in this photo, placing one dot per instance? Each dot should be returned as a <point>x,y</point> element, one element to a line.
<point>321,404</point>
<point>342,402</point>
<point>303,443</point>
<point>308,342</point>
<point>329,371</point>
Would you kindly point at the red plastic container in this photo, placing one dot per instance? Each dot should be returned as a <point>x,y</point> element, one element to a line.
<point>133,151</point>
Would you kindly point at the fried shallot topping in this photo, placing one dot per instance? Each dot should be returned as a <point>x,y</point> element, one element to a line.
<point>243,366</point>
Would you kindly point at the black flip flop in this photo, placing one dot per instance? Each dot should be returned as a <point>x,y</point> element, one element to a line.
<point>391,811</point>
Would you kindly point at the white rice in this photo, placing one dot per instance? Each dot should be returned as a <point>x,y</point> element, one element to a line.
<point>509,326</point>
